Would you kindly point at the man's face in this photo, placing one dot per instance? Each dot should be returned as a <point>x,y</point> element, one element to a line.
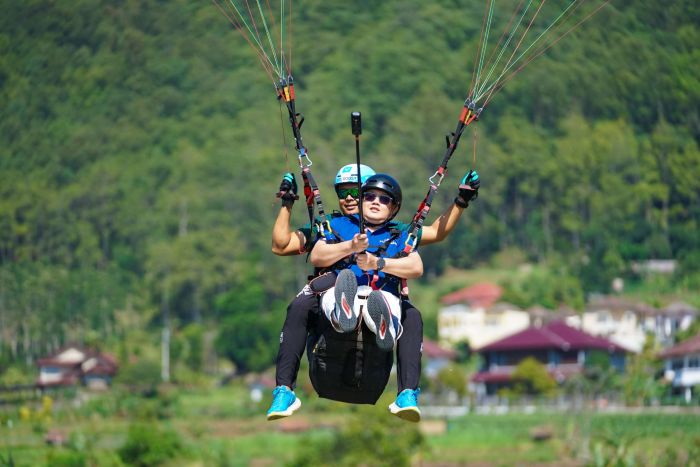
<point>348,198</point>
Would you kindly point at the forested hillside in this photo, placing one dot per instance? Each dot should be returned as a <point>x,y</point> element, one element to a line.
<point>141,146</point>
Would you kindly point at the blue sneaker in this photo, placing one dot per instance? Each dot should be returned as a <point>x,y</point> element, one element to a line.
<point>284,403</point>
<point>406,405</point>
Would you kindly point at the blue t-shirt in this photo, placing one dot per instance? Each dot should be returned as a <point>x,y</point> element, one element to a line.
<point>310,231</point>
<point>390,238</point>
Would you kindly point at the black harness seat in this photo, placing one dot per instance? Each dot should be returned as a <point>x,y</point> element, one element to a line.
<point>347,367</point>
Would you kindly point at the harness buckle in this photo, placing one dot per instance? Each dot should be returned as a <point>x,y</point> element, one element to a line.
<point>304,155</point>
<point>410,241</point>
<point>440,176</point>
<point>323,227</point>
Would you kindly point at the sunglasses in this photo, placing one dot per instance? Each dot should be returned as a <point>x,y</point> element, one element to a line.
<point>344,192</point>
<point>383,199</point>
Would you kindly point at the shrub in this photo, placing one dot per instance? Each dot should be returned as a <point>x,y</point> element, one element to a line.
<point>142,376</point>
<point>66,458</point>
<point>369,438</point>
<point>147,445</point>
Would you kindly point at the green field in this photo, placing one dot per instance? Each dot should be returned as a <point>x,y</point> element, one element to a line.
<point>222,427</point>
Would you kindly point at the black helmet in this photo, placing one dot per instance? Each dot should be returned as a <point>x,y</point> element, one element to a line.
<point>387,184</point>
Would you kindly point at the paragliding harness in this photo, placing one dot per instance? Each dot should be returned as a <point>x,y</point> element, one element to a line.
<point>347,367</point>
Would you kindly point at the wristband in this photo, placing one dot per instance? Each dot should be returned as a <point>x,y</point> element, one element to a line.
<point>459,201</point>
<point>381,262</point>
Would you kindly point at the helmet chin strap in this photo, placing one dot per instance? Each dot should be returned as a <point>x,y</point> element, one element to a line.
<point>372,224</point>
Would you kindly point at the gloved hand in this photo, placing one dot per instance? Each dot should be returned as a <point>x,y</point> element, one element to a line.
<point>468,189</point>
<point>288,189</point>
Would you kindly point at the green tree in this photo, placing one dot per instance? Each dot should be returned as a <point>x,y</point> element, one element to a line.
<point>531,377</point>
<point>194,336</point>
<point>249,340</point>
<point>453,378</point>
<point>640,383</point>
<point>135,173</point>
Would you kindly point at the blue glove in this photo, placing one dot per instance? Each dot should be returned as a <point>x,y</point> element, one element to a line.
<point>468,189</point>
<point>288,189</point>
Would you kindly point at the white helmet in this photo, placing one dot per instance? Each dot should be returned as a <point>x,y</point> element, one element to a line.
<point>348,173</point>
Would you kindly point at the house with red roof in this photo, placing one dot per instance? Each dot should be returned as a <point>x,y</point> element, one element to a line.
<point>74,365</point>
<point>563,350</point>
<point>478,295</point>
<point>475,315</point>
<point>682,366</point>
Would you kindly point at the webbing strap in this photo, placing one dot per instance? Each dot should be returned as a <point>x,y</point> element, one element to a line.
<point>285,92</point>
<point>419,219</point>
<point>314,202</point>
<point>468,115</point>
<point>359,362</point>
<point>310,192</point>
<point>395,233</point>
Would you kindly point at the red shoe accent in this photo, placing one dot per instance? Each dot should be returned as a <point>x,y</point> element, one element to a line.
<point>382,328</point>
<point>346,307</point>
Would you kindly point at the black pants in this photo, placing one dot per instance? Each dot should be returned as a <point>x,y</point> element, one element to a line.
<point>305,308</point>
<point>300,315</point>
<point>409,347</point>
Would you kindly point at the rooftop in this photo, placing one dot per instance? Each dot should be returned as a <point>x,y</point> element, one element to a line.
<point>681,309</point>
<point>431,349</point>
<point>619,304</point>
<point>688,346</point>
<point>555,334</point>
<point>484,294</point>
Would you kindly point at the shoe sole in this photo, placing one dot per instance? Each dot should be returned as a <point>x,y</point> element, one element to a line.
<point>378,311</point>
<point>285,413</point>
<point>345,290</point>
<point>410,414</point>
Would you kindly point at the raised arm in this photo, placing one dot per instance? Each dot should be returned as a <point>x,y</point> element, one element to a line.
<point>287,242</point>
<point>443,225</point>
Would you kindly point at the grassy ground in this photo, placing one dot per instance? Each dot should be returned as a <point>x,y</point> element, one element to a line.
<point>650,439</point>
<point>221,427</point>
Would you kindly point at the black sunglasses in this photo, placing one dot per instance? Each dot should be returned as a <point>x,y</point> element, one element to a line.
<point>344,192</point>
<point>383,199</point>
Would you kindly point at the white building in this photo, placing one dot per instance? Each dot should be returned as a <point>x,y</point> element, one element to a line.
<point>628,323</point>
<point>682,365</point>
<point>664,325</point>
<point>473,315</point>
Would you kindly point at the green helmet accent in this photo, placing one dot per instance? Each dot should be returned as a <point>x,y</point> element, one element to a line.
<point>348,173</point>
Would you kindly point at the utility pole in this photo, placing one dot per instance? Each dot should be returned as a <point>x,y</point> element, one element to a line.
<point>165,336</point>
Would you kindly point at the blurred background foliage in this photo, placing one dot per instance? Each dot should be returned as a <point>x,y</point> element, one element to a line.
<point>141,147</point>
